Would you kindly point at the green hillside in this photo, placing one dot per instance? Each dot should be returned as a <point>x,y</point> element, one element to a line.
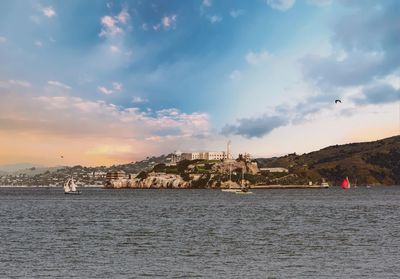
<point>367,163</point>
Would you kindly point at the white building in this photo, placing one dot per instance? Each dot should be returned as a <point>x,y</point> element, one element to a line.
<point>218,155</point>
<point>190,156</point>
<point>208,155</point>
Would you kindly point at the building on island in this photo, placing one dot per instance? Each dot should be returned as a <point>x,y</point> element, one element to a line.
<point>219,155</point>
<point>208,155</point>
<point>190,156</point>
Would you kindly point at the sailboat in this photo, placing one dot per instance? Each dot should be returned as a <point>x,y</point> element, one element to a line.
<point>346,183</point>
<point>243,188</point>
<point>70,187</point>
<point>230,189</point>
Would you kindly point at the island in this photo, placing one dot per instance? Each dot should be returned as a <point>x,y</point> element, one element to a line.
<point>367,163</point>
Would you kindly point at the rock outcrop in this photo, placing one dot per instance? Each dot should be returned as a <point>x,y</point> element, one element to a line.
<point>154,180</point>
<point>216,176</point>
<point>226,166</point>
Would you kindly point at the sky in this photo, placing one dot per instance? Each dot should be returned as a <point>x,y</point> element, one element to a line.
<point>110,82</point>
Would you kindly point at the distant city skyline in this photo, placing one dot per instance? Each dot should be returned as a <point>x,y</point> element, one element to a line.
<point>109,82</point>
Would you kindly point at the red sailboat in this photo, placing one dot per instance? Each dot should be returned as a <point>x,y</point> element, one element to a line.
<point>346,183</point>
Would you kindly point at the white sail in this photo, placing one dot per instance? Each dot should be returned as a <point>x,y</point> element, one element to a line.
<point>66,186</point>
<point>73,186</point>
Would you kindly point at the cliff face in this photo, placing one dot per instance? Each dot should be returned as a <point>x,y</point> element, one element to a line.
<point>367,163</point>
<point>168,181</point>
<point>225,167</point>
<point>152,181</point>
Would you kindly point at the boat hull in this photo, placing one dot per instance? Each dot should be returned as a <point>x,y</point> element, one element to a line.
<point>229,190</point>
<point>243,192</point>
<point>236,191</point>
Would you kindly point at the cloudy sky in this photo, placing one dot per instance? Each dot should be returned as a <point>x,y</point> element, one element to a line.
<point>104,82</point>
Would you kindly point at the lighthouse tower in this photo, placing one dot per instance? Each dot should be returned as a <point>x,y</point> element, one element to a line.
<point>228,150</point>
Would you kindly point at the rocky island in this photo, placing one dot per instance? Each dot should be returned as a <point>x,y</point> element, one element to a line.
<point>369,163</point>
<point>366,163</point>
<point>189,174</point>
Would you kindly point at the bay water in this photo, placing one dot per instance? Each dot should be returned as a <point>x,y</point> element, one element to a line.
<point>299,233</point>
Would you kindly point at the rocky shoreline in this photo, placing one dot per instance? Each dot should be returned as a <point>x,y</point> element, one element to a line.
<point>169,181</point>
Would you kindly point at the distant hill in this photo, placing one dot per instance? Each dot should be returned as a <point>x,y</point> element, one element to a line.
<point>34,175</point>
<point>366,163</point>
<point>18,167</point>
<point>35,171</point>
<point>136,167</point>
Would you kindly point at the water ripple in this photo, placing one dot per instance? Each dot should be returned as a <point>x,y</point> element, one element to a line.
<point>200,234</point>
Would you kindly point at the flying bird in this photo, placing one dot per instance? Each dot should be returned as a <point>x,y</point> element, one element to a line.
<point>338,101</point>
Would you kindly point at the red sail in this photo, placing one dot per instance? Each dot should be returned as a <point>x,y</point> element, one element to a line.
<point>345,183</point>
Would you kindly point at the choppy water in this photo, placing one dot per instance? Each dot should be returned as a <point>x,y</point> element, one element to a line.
<point>327,233</point>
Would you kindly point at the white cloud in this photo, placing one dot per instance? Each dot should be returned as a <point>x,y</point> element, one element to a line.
<point>156,27</point>
<point>48,11</point>
<point>58,84</point>
<point>169,21</point>
<point>20,83</point>
<point>59,115</point>
<point>282,5</point>
<point>393,80</point>
<point>145,27</point>
<point>236,13</point>
<point>38,44</point>
<point>104,90</point>
<point>207,3</point>
<point>139,100</point>
<point>255,58</point>
<point>123,16</point>
<point>114,49</point>
<point>13,82</point>
<point>115,87</point>
<point>3,40</point>
<point>235,75</point>
<point>215,18</point>
<point>112,25</point>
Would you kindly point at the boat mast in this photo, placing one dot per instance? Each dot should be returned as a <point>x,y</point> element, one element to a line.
<point>230,172</point>
<point>241,182</point>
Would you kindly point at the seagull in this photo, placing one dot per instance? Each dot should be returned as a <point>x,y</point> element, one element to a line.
<point>338,101</point>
